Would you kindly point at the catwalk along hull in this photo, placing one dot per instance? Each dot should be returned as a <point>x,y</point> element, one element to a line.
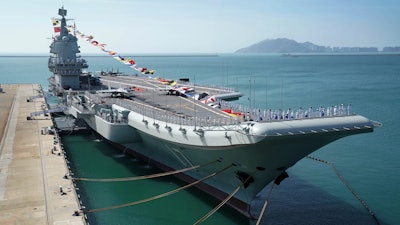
<point>251,154</point>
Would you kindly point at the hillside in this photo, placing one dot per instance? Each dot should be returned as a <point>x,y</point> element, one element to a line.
<point>284,45</point>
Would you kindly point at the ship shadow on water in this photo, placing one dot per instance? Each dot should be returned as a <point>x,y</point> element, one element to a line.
<point>295,201</point>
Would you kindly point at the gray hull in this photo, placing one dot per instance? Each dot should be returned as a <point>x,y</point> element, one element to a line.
<point>255,153</point>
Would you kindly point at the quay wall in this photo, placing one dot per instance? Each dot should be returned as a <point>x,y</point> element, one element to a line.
<point>33,189</point>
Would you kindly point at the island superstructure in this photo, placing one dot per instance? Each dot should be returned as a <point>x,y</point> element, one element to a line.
<point>177,125</point>
<point>65,65</point>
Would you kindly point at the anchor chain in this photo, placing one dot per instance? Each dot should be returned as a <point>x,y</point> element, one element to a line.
<point>348,187</point>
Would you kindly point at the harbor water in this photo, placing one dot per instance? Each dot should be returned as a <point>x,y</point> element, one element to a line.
<point>313,194</point>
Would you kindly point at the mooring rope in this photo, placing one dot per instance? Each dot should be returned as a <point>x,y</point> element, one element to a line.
<point>145,176</point>
<point>265,204</point>
<point>348,187</point>
<point>160,195</point>
<point>205,217</point>
<point>218,206</point>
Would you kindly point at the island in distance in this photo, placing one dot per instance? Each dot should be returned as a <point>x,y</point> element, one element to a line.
<point>284,45</point>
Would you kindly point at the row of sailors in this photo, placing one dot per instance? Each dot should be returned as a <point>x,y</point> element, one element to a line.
<point>300,113</point>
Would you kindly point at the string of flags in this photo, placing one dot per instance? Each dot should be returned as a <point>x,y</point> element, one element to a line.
<point>89,38</point>
<point>129,61</point>
<point>125,60</point>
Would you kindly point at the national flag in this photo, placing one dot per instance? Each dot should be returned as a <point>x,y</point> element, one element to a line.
<point>57,29</point>
<point>55,22</point>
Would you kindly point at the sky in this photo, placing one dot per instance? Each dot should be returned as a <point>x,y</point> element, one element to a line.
<point>200,26</point>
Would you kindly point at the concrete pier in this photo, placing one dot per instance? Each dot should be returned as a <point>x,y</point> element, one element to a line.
<point>32,166</point>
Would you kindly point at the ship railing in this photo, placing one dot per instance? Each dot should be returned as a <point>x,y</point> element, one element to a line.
<point>173,118</point>
<point>247,115</point>
<point>188,120</point>
<point>60,61</point>
<point>264,115</point>
<point>250,115</point>
<point>75,72</point>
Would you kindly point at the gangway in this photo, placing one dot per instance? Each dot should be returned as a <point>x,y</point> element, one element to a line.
<point>60,109</point>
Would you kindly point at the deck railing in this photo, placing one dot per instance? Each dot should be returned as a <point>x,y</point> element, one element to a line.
<point>263,115</point>
<point>243,113</point>
<point>170,117</point>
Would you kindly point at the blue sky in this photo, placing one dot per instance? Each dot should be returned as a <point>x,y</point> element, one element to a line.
<point>206,26</point>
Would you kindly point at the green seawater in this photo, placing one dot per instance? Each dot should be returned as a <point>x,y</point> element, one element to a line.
<point>92,157</point>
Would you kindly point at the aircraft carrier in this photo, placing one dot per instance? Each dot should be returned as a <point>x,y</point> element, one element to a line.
<point>180,126</point>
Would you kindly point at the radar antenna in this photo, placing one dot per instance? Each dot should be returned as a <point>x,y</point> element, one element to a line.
<point>62,12</point>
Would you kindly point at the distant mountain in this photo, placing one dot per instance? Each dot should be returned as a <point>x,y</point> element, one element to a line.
<point>284,45</point>
<point>280,45</point>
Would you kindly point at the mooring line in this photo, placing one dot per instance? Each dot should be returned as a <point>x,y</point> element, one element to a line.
<point>347,186</point>
<point>218,206</point>
<point>205,217</point>
<point>145,176</point>
<point>160,195</point>
<point>265,204</point>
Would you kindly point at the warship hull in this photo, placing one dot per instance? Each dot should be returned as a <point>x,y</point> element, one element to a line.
<point>249,155</point>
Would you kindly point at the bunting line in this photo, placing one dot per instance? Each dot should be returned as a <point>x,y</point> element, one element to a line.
<point>124,60</point>
<point>90,39</point>
<point>127,61</point>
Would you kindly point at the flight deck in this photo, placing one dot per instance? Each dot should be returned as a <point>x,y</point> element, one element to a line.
<point>179,103</point>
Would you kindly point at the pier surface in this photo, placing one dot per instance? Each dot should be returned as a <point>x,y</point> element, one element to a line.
<point>31,170</point>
